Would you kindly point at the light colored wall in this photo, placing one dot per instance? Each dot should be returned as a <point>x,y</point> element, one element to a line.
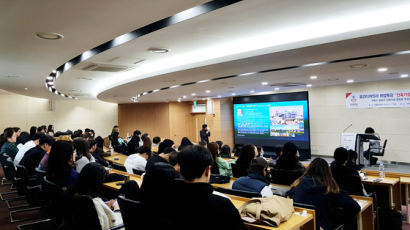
<point>24,112</point>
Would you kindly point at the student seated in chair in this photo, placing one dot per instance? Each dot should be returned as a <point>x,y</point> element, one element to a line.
<point>193,203</point>
<point>374,146</point>
<point>256,180</point>
<point>138,160</point>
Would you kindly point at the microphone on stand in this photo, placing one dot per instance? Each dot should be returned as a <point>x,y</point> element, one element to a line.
<point>344,130</point>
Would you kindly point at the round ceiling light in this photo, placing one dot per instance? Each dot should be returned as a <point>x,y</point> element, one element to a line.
<point>158,50</point>
<point>357,66</point>
<point>49,36</point>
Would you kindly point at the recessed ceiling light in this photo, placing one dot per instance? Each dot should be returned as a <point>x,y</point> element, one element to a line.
<point>404,75</point>
<point>219,96</point>
<point>233,94</point>
<point>158,50</point>
<point>179,99</point>
<point>202,81</point>
<point>350,81</point>
<point>357,66</point>
<point>309,85</point>
<point>264,83</point>
<point>252,91</point>
<point>277,88</point>
<point>246,74</point>
<point>207,91</point>
<point>25,88</point>
<point>193,94</point>
<point>49,36</point>
<point>155,90</point>
<point>313,77</point>
<point>174,86</point>
<point>184,96</point>
<point>382,69</point>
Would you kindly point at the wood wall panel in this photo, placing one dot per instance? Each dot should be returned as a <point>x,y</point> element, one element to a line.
<point>226,112</point>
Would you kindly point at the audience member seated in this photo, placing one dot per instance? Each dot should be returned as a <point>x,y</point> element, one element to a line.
<point>248,152</point>
<point>351,160</point>
<point>256,180</point>
<point>162,157</point>
<point>347,179</point>
<point>90,183</point>
<point>8,143</point>
<point>225,151</point>
<point>33,156</point>
<point>83,155</point>
<point>167,143</point>
<point>137,160</point>
<point>33,130</point>
<point>220,166</point>
<point>193,204</point>
<point>22,139</point>
<point>220,144</point>
<point>97,157</point>
<point>332,205</point>
<point>184,143</point>
<point>147,143</point>
<point>155,141</point>
<point>50,130</point>
<point>118,143</point>
<point>173,160</point>
<point>133,144</point>
<point>61,164</point>
<point>288,159</point>
<point>100,147</point>
<point>25,145</point>
<point>374,146</point>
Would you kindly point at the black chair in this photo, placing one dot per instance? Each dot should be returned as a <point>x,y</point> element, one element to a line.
<point>118,167</point>
<point>53,201</point>
<point>36,225</point>
<point>138,172</point>
<point>379,152</point>
<point>238,171</point>
<point>312,207</point>
<point>238,192</point>
<point>83,215</point>
<point>130,209</point>
<point>285,177</point>
<point>9,172</point>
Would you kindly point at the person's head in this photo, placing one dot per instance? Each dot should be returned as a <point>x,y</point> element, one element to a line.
<point>204,126</point>
<point>165,143</point>
<point>61,160</point>
<point>46,142</point>
<point>289,157</point>
<point>145,135</point>
<point>137,133</point>
<point>184,142</point>
<point>220,144</point>
<point>87,130</point>
<point>36,138</point>
<point>320,171</point>
<point>340,156</point>
<point>203,144</point>
<point>91,179</point>
<point>214,150</point>
<point>115,129</point>
<point>77,133</point>
<point>225,151</point>
<point>41,129</point>
<point>156,140</point>
<point>248,152</point>
<point>100,142</point>
<point>369,130</point>
<point>258,166</point>
<point>195,164</point>
<point>144,152</point>
<point>50,128</point>
<point>17,130</point>
<point>352,155</point>
<point>156,179</point>
<point>147,142</point>
<point>260,151</point>
<point>23,138</point>
<point>33,130</point>
<point>92,133</point>
<point>93,145</point>
<point>82,148</point>
<point>114,138</point>
<point>9,135</point>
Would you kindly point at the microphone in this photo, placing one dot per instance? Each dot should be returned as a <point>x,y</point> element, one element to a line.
<point>344,130</point>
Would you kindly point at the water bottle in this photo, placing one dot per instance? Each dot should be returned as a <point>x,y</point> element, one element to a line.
<point>381,170</point>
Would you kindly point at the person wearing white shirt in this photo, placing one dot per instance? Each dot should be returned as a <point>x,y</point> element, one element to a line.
<point>26,146</point>
<point>83,155</point>
<point>137,160</point>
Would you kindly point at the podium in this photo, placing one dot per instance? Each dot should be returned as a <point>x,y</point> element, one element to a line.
<point>355,142</point>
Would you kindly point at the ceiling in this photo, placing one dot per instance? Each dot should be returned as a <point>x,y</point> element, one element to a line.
<point>248,36</point>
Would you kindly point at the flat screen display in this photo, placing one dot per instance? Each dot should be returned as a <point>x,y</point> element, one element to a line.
<point>272,120</point>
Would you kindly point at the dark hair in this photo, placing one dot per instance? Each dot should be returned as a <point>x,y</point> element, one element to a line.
<point>87,130</point>
<point>173,158</point>
<point>258,166</point>
<point>60,161</point>
<point>193,160</point>
<point>133,144</point>
<point>288,159</point>
<point>8,133</point>
<point>259,148</point>
<point>23,138</point>
<point>92,132</point>
<point>203,144</point>
<point>100,142</point>
<point>50,128</point>
<point>157,179</point>
<point>33,130</point>
<point>340,155</point>
<point>369,130</point>
<point>114,139</point>
<point>91,179</point>
<point>145,135</point>
<point>246,156</point>
<point>137,133</point>
<point>204,126</point>
<point>16,129</point>
<point>147,142</point>
<point>220,143</point>
<point>37,136</point>
<point>156,140</point>
<point>184,142</point>
<point>352,155</point>
<point>91,143</point>
<point>145,150</point>
<point>41,128</point>
<point>168,150</point>
<point>82,147</point>
<point>47,139</point>
<point>165,143</point>
<point>319,170</point>
<point>225,151</point>
<point>213,149</point>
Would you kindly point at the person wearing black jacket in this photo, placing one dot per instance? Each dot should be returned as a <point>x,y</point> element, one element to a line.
<point>204,133</point>
<point>34,155</point>
<point>348,179</point>
<point>333,206</point>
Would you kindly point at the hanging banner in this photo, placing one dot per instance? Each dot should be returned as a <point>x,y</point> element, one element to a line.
<point>384,99</point>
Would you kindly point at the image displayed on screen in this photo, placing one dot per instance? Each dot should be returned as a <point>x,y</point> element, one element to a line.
<point>279,120</point>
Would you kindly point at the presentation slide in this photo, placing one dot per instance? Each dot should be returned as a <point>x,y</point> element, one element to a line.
<point>272,120</point>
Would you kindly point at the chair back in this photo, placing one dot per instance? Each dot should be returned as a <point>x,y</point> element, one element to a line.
<point>238,192</point>
<point>40,174</point>
<point>138,172</point>
<point>285,177</point>
<point>82,214</point>
<point>118,167</point>
<point>384,148</point>
<point>238,171</point>
<point>130,210</point>
<point>53,199</point>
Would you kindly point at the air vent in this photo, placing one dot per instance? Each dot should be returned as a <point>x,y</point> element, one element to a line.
<point>105,67</point>
<point>287,84</point>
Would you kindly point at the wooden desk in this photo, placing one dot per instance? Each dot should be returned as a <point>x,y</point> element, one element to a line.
<point>365,216</point>
<point>393,186</point>
<point>406,182</point>
<point>114,186</point>
<point>117,158</point>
